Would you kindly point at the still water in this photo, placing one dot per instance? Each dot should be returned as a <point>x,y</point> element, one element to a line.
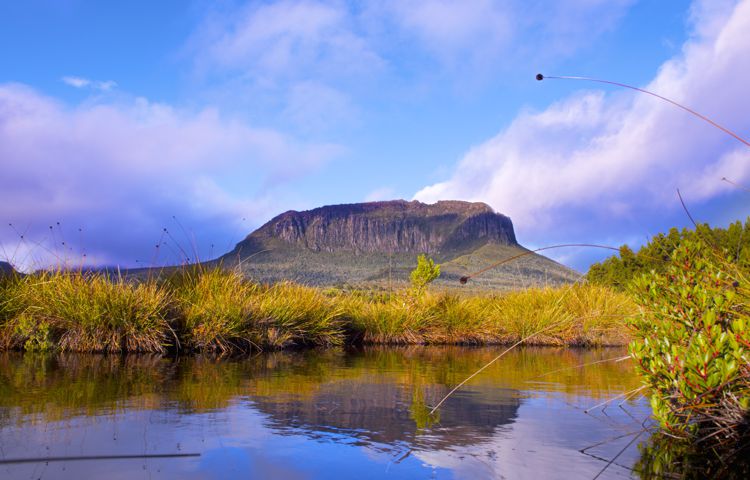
<point>320,414</point>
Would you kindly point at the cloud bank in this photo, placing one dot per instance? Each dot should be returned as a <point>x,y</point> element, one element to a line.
<point>596,162</point>
<point>288,55</point>
<point>122,170</point>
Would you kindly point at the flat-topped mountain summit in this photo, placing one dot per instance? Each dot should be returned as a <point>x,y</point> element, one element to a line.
<point>396,226</point>
<point>378,242</point>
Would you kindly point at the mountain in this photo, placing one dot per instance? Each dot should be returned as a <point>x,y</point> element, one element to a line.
<point>6,269</point>
<point>378,242</point>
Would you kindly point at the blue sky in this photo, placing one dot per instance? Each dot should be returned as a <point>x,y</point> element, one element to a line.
<point>117,117</point>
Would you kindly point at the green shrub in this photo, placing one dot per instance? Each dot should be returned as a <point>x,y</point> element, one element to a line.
<point>620,271</point>
<point>423,274</point>
<point>692,343</point>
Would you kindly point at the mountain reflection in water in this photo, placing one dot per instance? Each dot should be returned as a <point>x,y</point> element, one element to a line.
<point>318,414</point>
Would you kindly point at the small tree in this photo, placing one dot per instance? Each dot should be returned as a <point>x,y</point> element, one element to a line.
<point>425,273</point>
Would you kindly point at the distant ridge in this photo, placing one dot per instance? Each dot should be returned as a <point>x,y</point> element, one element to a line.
<point>6,269</point>
<point>378,242</point>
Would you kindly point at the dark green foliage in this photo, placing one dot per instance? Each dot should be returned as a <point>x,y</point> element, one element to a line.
<point>618,272</point>
<point>692,344</point>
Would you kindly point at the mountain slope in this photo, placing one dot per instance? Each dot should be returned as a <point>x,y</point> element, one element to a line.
<point>6,269</point>
<point>378,242</point>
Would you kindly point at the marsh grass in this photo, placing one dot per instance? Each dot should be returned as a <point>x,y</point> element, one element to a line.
<point>10,306</point>
<point>221,311</point>
<point>578,315</point>
<point>582,315</point>
<point>85,313</point>
<point>462,319</point>
<point>287,313</point>
<point>398,319</point>
<point>216,310</point>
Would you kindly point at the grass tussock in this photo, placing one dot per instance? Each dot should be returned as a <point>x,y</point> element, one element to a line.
<point>220,311</point>
<point>583,315</point>
<point>287,313</point>
<point>84,313</point>
<point>215,310</point>
<point>396,320</point>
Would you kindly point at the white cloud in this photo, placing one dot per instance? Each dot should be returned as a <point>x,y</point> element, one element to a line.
<point>106,85</point>
<point>305,38</point>
<point>481,36</point>
<point>293,61</point>
<point>76,82</point>
<point>80,82</point>
<point>617,156</point>
<point>316,107</point>
<point>122,170</point>
<point>267,53</point>
<point>449,29</point>
<point>287,39</point>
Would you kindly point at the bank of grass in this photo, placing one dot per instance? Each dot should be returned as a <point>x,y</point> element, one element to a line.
<point>83,313</point>
<point>214,310</point>
<point>580,315</point>
<point>218,310</point>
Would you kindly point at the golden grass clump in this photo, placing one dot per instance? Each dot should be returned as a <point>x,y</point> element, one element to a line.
<point>87,313</point>
<point>222,311</point>
<point>396,320</point>
<point>290,314</point>
<point>215,309</point>
<point>10,305</point>
<point>462,320</point>
<point>571,315</point>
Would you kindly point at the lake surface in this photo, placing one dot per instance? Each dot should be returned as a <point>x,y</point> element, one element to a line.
<point>320,414</point>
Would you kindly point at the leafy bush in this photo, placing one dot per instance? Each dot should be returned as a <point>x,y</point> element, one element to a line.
<point>692,343</point>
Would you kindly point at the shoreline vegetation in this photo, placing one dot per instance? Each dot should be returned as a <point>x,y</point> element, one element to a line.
<point>215,310</point>
<point>691,346</point>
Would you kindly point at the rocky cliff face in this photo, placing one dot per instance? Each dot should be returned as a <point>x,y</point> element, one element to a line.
<point>377,243</point>
<point>394,227</point>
